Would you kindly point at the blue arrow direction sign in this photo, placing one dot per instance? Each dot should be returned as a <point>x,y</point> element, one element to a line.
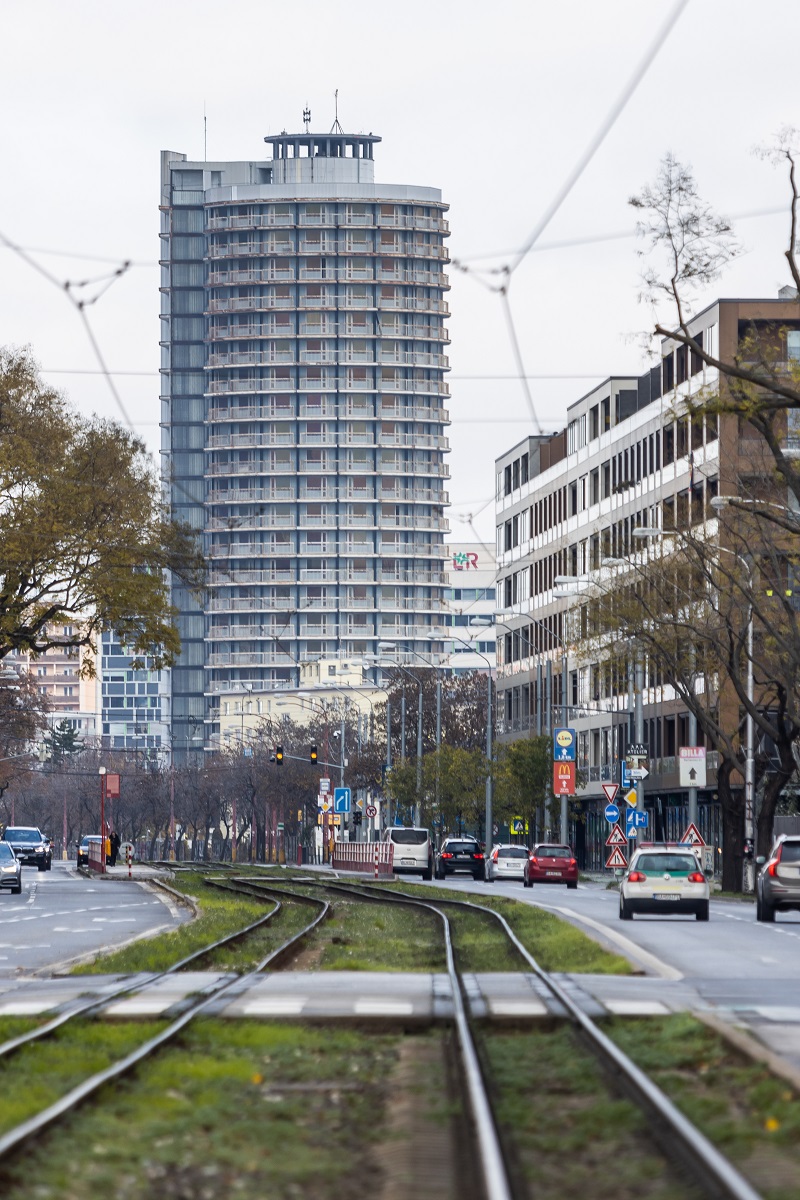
<point>611,813</point>
<point>624,777</point>
<point>564,745</point>
<point>341,800</point>
<point>635,819</point>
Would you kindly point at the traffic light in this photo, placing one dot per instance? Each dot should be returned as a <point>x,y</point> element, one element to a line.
<point>313,754</point>
<point>279,755</point>
<point>356,817</point>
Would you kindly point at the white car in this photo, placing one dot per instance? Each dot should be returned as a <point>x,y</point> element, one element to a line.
<point>413,852</point>
<point>663,879</point>
<point>506,862</point>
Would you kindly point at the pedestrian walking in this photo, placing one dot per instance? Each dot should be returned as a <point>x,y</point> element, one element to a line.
<point>114,843</point>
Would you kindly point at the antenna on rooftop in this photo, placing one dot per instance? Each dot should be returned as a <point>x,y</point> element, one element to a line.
<point>336,127</point>
<point>205,134</point>
<point>306,117</point>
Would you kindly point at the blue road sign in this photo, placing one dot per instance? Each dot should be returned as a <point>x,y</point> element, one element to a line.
<point>624,777</point>
<point>635,820</point>
<point>612,814</point>
<point>341,800</point>
<point>564,741</point>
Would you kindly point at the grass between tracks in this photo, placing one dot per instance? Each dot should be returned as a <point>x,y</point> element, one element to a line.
<point>571,1141</point>
<point>555,944</point>
<point>258,1108</point>
<point>365,937</point>
<point>238,1108</point>
<point>220,913</point>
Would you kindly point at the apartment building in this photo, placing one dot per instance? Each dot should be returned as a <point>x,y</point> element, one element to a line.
<point>469,608</point>
<point>303,411</point>
<point>632,456</point>
<point>135,703</point>
<point>69,695</point>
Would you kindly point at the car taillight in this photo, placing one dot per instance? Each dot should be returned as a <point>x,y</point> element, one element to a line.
<point>494,856</point>
<point>572,862</point>
<point>533,859</point>
<point>696,877</point>
<point>772,868</point>
<point>446,854</point>
<point>477,856</point>
<point>636,877</point>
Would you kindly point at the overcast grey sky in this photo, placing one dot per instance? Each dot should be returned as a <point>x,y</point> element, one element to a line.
<point>493,103</point>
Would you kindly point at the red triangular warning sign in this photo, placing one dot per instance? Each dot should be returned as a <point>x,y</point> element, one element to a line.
<point>610,790</point>
<point>616,858</point>
<point>692,836</point>
<point>616,837</point>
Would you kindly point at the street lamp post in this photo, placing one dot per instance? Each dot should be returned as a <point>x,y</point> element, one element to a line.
<point>102,773</point>
<point>418,682</point>
<point>489,792</point>
<point>548,698</point>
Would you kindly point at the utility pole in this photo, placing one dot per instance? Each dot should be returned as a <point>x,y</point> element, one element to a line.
<point>418,806</point>
<point>639,732</point>
<point>388,755</point>
<point>565,720</point>
<point>489,818</point>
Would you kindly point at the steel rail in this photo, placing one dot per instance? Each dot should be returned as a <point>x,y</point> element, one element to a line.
<point>492,1160</point>
<point>699,1156</point>
<point>34,1125</point>
<point>94,1004</point>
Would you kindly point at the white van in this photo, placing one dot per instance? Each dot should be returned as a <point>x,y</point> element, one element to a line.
<point>413,852</point>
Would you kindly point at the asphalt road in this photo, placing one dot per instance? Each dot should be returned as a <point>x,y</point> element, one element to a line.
<point>733,953</point>
<point>61,916</point>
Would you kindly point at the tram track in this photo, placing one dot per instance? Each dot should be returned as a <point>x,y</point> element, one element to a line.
<point>497,1174</point>
<point>676,1136</point>
<point>16,1137</point>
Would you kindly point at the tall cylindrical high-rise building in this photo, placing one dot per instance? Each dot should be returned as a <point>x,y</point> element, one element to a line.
<point>303,411</point>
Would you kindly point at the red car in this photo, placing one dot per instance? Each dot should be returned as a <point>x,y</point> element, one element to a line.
<point>551,864</point>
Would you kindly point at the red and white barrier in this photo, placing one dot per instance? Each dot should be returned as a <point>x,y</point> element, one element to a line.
<point>95,857</point>
<point>376,858</point>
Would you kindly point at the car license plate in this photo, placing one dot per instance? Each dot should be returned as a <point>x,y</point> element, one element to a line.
<point>407,862</point>
<point>666,896</point>
<point>553,873</point>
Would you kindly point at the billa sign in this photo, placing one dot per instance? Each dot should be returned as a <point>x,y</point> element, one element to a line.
<point>563,778</point>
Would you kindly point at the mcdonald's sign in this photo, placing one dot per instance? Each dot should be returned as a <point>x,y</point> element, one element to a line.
<point>563,778</point>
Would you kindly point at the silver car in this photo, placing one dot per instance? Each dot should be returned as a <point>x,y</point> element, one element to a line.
<point>506,862</point>
<point>778,884</point>
<point>10,869</point>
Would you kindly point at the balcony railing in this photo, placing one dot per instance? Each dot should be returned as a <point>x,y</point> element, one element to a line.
<point>232,304</point>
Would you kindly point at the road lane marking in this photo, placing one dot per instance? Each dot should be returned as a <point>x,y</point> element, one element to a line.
<point>369,1007</point>
<point>279,1006</point>
<point>518,1008</point>
<point>637,1008</point>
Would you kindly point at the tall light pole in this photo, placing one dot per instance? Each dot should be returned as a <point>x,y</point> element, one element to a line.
<point>102,774</point>
<point>489,792</point>
<point>394,646</point>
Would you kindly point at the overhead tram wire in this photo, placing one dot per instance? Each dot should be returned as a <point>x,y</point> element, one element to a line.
<point>602,133</point>
<point>507,270</point>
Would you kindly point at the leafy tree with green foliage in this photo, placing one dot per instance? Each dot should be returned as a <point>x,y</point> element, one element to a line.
<point>523,779</point>
<point>84,535</point>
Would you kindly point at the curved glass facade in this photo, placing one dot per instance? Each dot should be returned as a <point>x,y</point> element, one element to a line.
<point>304,410</point>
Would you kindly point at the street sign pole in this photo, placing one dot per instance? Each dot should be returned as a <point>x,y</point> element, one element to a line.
<point>639,730</point>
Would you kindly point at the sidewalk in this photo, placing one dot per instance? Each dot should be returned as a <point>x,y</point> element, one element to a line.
<point>137,871</point>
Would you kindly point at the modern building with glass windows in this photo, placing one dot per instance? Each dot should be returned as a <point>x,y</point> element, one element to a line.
<point>303,412</point>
